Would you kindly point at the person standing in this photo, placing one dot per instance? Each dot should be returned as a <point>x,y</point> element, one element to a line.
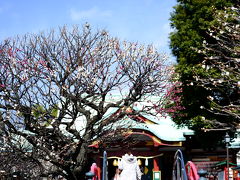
<point>94,169</point>
<point>129,169</point>
<point>117,175</point>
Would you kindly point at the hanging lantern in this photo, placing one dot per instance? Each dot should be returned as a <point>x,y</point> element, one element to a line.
<point>139,162</point>
<point>115,162</point>
<point>146,162</point>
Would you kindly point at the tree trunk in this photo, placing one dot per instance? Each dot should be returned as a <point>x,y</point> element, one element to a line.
<point>81,161</point>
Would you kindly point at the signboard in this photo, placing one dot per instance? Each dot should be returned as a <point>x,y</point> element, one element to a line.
<point>156,175</point>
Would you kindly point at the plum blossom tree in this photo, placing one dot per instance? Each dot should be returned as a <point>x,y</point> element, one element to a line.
<point>57,87</point>
<point>221,52</point>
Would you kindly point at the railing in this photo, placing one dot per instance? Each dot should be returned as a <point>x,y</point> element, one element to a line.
<point>179,171</point>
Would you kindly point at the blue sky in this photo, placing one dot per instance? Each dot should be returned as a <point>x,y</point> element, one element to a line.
<point>144,21</point>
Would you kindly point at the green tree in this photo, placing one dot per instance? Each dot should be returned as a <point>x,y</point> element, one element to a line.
<point>206,43</point>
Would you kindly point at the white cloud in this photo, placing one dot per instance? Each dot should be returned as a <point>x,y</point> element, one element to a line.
<point>5,6</point>
<point>159,36</point>
<point>147,2</point>
<point>94,12</point>
<point>167,28</point>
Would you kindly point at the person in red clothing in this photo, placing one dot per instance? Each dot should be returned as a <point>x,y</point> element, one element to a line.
<point>191,171</point>
<point>94,169</point>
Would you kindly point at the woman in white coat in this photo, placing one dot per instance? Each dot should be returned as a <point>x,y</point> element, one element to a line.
<point>129,168</point>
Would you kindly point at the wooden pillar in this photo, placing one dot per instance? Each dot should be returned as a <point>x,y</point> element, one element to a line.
<point>99,166</point>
